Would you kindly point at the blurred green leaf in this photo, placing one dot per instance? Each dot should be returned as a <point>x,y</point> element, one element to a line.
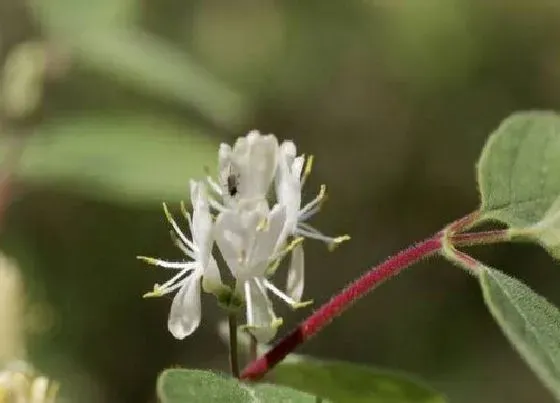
<point>182,385</point>
<point>350,383</point>
<point>156,67</point>
<point>518,169</point>
<point>530,322</point>
<point>103,37</point>
<point>80,14</point>
<point>126,158</point>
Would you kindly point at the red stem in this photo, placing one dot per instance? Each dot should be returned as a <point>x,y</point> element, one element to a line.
<point>339,303</point>
<point>480,238</point>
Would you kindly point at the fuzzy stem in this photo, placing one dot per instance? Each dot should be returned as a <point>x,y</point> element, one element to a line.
<point>233,353</point>
<point>480,238</point>
<point>339,303</point>
<point>461,259</point>
<point>464,223</point>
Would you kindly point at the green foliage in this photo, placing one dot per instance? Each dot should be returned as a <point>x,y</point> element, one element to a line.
<point>182,385</point>
<point>530,322</point>
<point>518,169</point>
<point>349,383</point>
<point>127,159</point>
<point>108,42</point>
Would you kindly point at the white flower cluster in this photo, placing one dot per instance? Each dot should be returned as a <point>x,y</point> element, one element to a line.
<point>251,236</point>
<point>20,384</point>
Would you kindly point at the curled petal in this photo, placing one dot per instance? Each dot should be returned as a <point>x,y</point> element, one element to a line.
<point>261,320</point>
<point>185,313</point>
<point>296,274</point>
<point>201,221</point>
<point>212,280</point>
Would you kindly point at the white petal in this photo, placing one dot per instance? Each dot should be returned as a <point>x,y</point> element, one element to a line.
<point>263,323</point>
<point>185,313</point>
<point>297,167</point>
<point>288,151</point>
<point>224,158</point>
<point>296,274</point>
<point>269,237</point>
<point>288,188</point>
<point>201,221</point>
<point>229,238</point>
<point>255,157</point>
<point>211,279</point>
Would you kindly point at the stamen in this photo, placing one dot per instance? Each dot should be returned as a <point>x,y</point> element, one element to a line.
<point>310,213</point>
<point>290,301</point>
<point>216,205</point>
<point>216,188</point>
<point>176,227</point>
<point>173,281</point>
<point>310,232</point>
<point>263,224</point>
<point>189,252</point>
<point>315,202</point>
<point>337,241</point>
<point>153,294</point>
<point>295,242</point>
<point>164,263</point>
<point>307,169</point>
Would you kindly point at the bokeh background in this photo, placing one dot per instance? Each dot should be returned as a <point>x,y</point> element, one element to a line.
<point>117,103</point>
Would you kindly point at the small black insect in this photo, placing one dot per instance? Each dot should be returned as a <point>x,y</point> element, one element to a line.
<point>232,184</point>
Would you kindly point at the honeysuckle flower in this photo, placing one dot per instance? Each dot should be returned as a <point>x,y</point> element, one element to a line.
<point>252,237</point>
<point>289,181</point>
<point>185,313</point>
<point>246,171</point>
<point>247,240</point>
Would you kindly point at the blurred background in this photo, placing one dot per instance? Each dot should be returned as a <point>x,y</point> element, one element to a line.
<point>115,104</point>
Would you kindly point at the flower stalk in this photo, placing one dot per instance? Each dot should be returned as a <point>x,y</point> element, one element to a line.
<point>443,242</point>
<point>233,350</point>
<point>339,303</point>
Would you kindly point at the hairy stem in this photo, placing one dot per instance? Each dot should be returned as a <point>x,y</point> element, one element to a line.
<point>233,352</point>
<point>339,303</point>
<point>480,238</point>
<point>461,259</point>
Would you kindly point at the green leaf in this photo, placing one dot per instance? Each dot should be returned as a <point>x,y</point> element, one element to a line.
<point>350,383</point>
<point>181,385</point>
<point>281,394</point>
<point>518,169</point>
<point>159,69</point>
<point>102,36</point>
<point>127,158</point>
<point>530,322</point>
<point>195,386</point>
<point>80,14</point>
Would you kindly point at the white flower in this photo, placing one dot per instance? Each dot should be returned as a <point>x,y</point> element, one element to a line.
<point>289,182</point>
<point>246,171</point>
<point>20,384</point>
<point>185,313</point>
<point>247,240</point>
